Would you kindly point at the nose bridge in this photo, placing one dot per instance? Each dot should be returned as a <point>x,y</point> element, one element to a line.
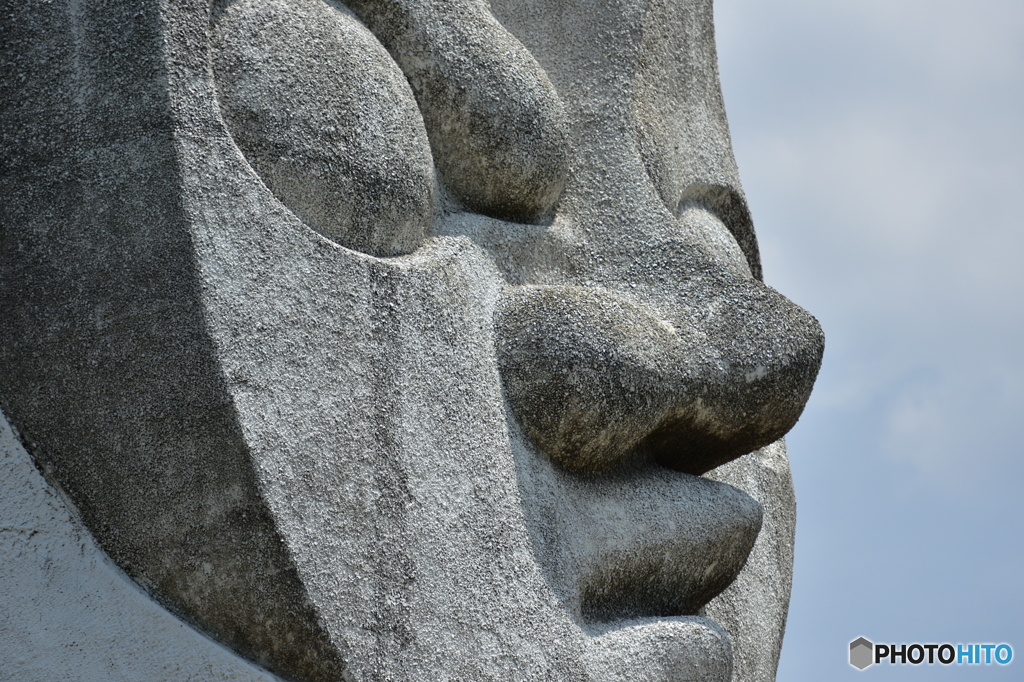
<point>679,114</point>
<point>649,136</point>
<point>591,55</point>
<point>649,333</point>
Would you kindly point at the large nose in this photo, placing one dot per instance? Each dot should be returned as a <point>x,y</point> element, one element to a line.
<point>650,335</point>
<point>595,378</point>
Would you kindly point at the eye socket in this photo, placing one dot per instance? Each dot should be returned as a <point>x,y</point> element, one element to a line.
<point>326,119</point>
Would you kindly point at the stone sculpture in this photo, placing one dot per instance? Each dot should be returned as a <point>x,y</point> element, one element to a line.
<point>404,339</point>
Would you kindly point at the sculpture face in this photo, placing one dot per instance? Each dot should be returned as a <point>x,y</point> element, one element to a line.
<point>394,343</point>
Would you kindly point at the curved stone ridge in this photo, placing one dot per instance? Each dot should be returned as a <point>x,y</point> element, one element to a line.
<point>497,127</point>
<point>76,615</point>
<point>677,96</point>
<point>326,118</point>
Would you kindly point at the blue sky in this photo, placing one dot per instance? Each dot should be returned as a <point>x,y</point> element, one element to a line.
<point>881,146</point>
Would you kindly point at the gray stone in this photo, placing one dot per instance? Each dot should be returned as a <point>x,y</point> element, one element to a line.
<point>68,613</point>
<point>355,421</point>
<point>496,124</point>
<point>326,119</point>
<point>594,378</point>
<point>753,608</point>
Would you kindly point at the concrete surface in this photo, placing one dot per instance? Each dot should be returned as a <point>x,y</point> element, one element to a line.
<point>372,380</point>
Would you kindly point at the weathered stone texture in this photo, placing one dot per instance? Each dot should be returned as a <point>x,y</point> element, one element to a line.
<point>391,342</point>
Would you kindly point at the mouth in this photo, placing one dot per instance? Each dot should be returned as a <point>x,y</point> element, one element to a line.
<point>636,542</point>
<point>634,554</point>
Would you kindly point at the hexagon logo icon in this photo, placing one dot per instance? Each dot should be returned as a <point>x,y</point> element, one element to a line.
<point>861,653</point>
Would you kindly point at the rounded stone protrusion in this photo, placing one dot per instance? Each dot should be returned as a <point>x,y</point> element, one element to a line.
<point>594,378</point>
<point>327,119</point>
<point>497,128</point>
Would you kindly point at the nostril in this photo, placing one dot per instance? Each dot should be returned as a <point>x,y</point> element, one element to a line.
<point>594,379</point>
